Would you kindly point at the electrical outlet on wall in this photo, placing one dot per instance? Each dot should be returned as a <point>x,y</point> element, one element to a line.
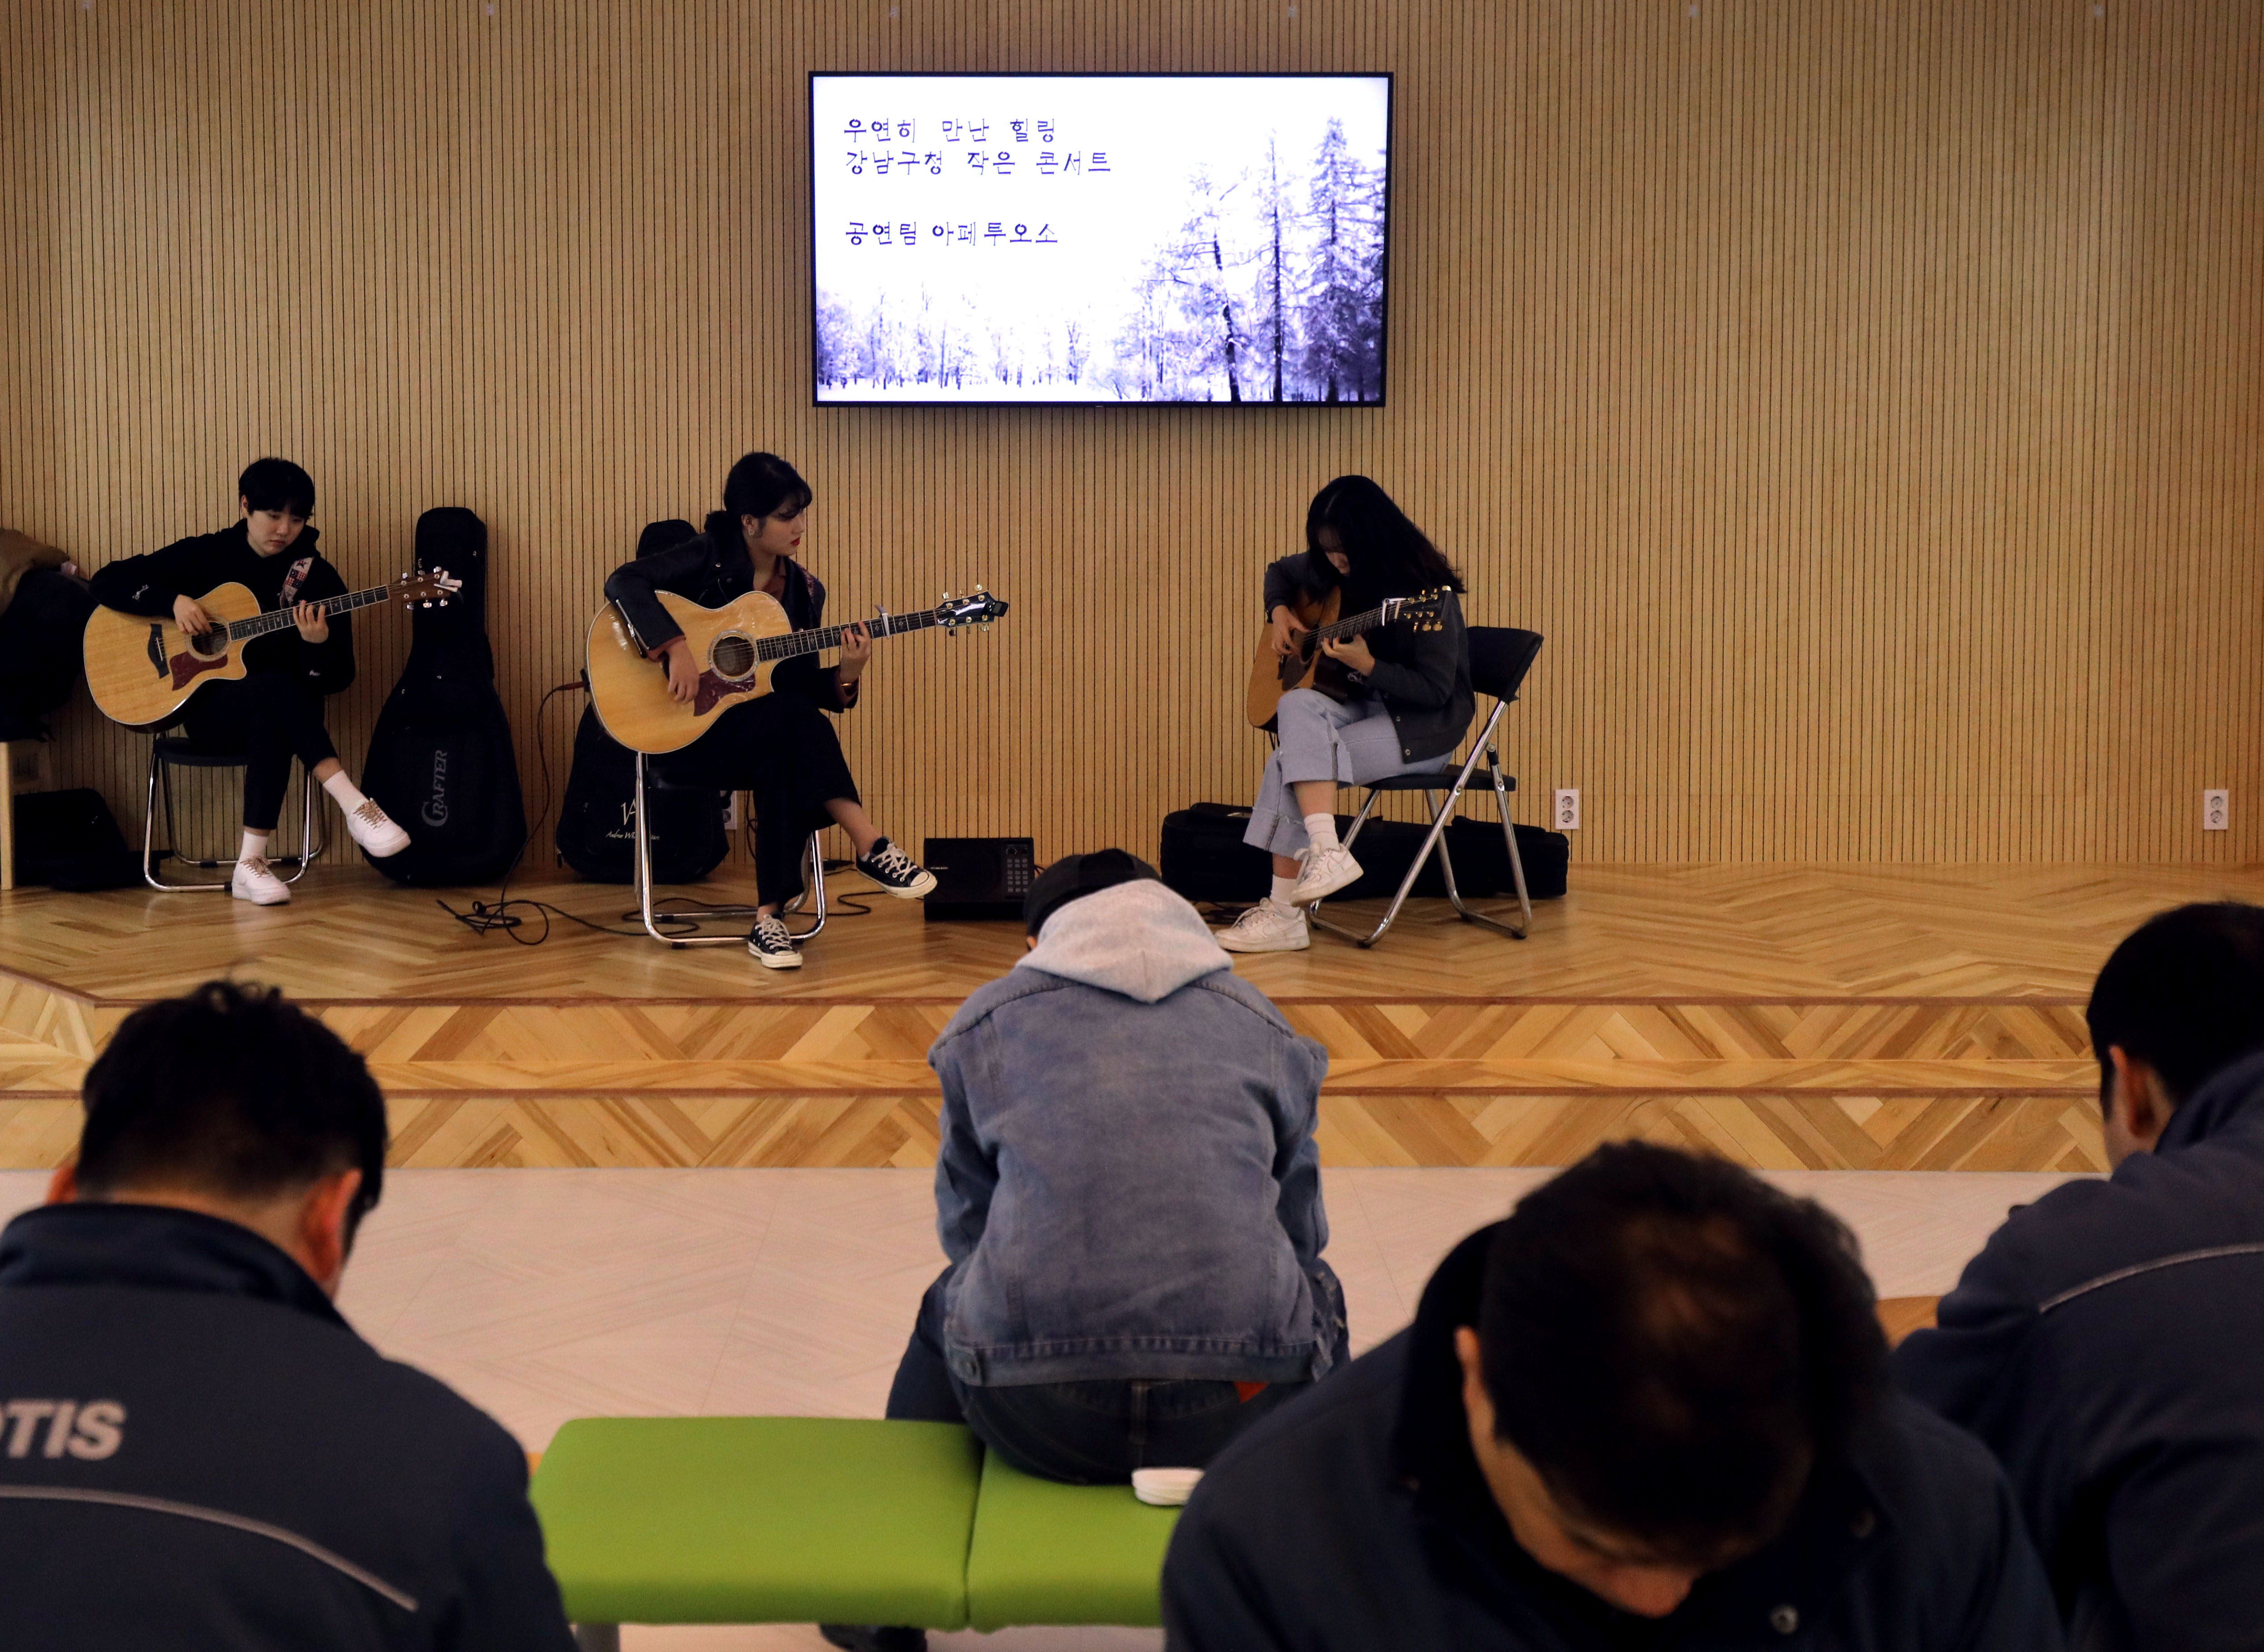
<point>1565,817</point>
<point>2215,811</point>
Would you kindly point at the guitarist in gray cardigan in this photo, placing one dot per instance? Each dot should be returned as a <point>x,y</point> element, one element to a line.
<point>778,748</point>
<point>1398,701</point>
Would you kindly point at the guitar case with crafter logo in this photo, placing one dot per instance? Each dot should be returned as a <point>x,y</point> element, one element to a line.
<point>440,758</point>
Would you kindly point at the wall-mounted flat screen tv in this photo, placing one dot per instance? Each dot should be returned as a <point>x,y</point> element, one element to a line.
<point>1100,238</point>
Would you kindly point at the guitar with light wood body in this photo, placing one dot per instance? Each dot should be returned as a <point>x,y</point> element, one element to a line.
<point>142,669</point>
<point>739,647</point>
<point>1272,675</point>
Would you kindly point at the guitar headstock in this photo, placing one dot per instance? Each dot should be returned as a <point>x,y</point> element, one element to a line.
<point>432,589</point>
<point>978,607</point>
<point>1422,610</point>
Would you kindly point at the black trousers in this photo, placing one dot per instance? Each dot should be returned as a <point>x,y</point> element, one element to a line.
<point>270,717</point>
<point>782,750</point>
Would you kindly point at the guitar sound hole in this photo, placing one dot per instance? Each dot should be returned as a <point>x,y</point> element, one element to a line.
<point>210,646</point>
<point>733,656</point>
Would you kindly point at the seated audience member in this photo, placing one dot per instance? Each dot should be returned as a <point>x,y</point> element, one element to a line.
<point>201,1452</point>
<point>1650,1409</point>
<point>2108,1343</point>
<point>1129,1195</point>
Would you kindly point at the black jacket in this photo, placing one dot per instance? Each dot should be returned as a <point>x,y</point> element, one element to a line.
<point>1357,1518</point>
<point>147,584</point>
<point>200,1453</point>
<point>2109,1344</point>
<point>701,572</point>
<point>1422,674</point>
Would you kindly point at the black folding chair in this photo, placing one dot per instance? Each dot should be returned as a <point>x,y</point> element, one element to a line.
<point>1499,658</point>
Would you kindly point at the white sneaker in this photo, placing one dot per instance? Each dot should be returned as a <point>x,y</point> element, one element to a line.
<point>1267,927</point>
<point>252,881</point>
<point>1325,871</point>
<point>374,829</point>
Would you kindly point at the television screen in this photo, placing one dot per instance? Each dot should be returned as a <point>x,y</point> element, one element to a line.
<point>1109,238</point>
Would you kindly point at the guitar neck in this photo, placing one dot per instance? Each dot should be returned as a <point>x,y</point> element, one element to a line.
<point>1366,620</point>
<point>261,624</point>
<point>789,643</point>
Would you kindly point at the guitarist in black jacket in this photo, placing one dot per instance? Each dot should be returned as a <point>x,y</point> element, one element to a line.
<point>778,748</point>
<point>274,713</point>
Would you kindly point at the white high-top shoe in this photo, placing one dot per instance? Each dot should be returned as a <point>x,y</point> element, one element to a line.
<point>374,829</point>
<point>1267,927</point>
<point>252,881</point>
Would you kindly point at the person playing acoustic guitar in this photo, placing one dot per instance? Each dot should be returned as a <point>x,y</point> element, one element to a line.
<point>274,713</point>
<point>778,748</point>
<point>1401,707</point>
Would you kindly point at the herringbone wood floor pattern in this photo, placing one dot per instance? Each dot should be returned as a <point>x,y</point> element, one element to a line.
<point>1789,1017</point>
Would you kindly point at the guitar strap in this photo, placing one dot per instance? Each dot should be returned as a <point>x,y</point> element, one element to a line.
<point>300,570</point>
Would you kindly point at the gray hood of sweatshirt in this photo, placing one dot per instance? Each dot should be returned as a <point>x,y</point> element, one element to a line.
<point>1138,939</point>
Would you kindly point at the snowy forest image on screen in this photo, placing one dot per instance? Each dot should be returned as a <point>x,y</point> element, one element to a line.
<point>1100,238</point>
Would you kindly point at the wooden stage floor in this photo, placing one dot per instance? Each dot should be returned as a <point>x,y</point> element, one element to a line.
<point>1790,1017</point>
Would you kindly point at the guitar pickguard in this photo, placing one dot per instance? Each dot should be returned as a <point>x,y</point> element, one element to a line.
<point>714,690</point>
<point>188,665</point>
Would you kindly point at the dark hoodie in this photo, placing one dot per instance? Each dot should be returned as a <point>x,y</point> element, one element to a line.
<point>199,1452</point>
<point>2109,1344</point>
<point>147,584</point>
<point>1357,1518</point>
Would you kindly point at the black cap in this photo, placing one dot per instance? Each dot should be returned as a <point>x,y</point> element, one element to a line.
<point>1075,875</point>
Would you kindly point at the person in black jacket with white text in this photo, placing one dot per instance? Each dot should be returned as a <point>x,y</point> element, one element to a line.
<point>777,747</point>
<point>274,712</point>
<point>2108,1342</point>
<point>200,1452</point>
<point>1650,1410</point>
<point>1402,706</point>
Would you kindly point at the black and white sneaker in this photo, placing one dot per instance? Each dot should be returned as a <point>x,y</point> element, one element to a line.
<point>896,871</point>
<point>772,946</point>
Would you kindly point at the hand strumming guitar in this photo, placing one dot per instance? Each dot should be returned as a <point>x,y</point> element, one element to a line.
<point>189,614</point>
<point>1285,632</point>
<point>683,670</point>
<point>1352,653</point>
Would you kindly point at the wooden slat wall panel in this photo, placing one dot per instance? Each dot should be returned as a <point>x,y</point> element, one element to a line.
<point>1866,400</point>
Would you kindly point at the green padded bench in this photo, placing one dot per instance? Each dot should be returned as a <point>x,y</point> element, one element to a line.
<point>801,1519</point>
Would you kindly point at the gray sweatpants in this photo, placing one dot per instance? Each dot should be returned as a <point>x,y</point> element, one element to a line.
<point>1324,739</point>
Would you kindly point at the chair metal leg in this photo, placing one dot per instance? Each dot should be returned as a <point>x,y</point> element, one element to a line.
<point>642,874</point>
<point>813,891</point>
<point>161,781</point>
<point>309,847</point>
<point>1438,818</point>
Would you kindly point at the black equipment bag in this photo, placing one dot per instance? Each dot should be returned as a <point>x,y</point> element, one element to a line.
<point>440,759</point>
<point>40,637</point>
<point>69,840</point>
<point>597,824</point>
<point>1204,858</point>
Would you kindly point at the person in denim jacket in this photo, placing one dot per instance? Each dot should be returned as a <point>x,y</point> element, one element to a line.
<point>1129,1191</point>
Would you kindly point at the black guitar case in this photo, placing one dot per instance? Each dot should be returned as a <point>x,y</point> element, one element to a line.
<point>440,759</point>
<point>597,831</point>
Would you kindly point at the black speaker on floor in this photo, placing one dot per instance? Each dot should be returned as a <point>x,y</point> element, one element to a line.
<point>977,877</point>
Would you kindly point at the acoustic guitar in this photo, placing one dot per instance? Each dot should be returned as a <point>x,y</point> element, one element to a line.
<point>142,670</point>
<point>738,645</point>
<point>1272,675</point>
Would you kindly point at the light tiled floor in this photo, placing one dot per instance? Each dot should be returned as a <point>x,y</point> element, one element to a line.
<point>547,1294</point>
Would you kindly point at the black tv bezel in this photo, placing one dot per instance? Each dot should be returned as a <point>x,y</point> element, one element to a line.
<point>809,201</point>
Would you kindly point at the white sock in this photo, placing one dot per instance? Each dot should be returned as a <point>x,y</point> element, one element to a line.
<point>1282,888</point>
<point>1322,828</point>
<point>345,791</point>
<point>255,844</point>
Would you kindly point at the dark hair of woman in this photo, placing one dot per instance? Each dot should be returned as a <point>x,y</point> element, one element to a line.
<point>759,484</point>
<point>1390,556</point>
